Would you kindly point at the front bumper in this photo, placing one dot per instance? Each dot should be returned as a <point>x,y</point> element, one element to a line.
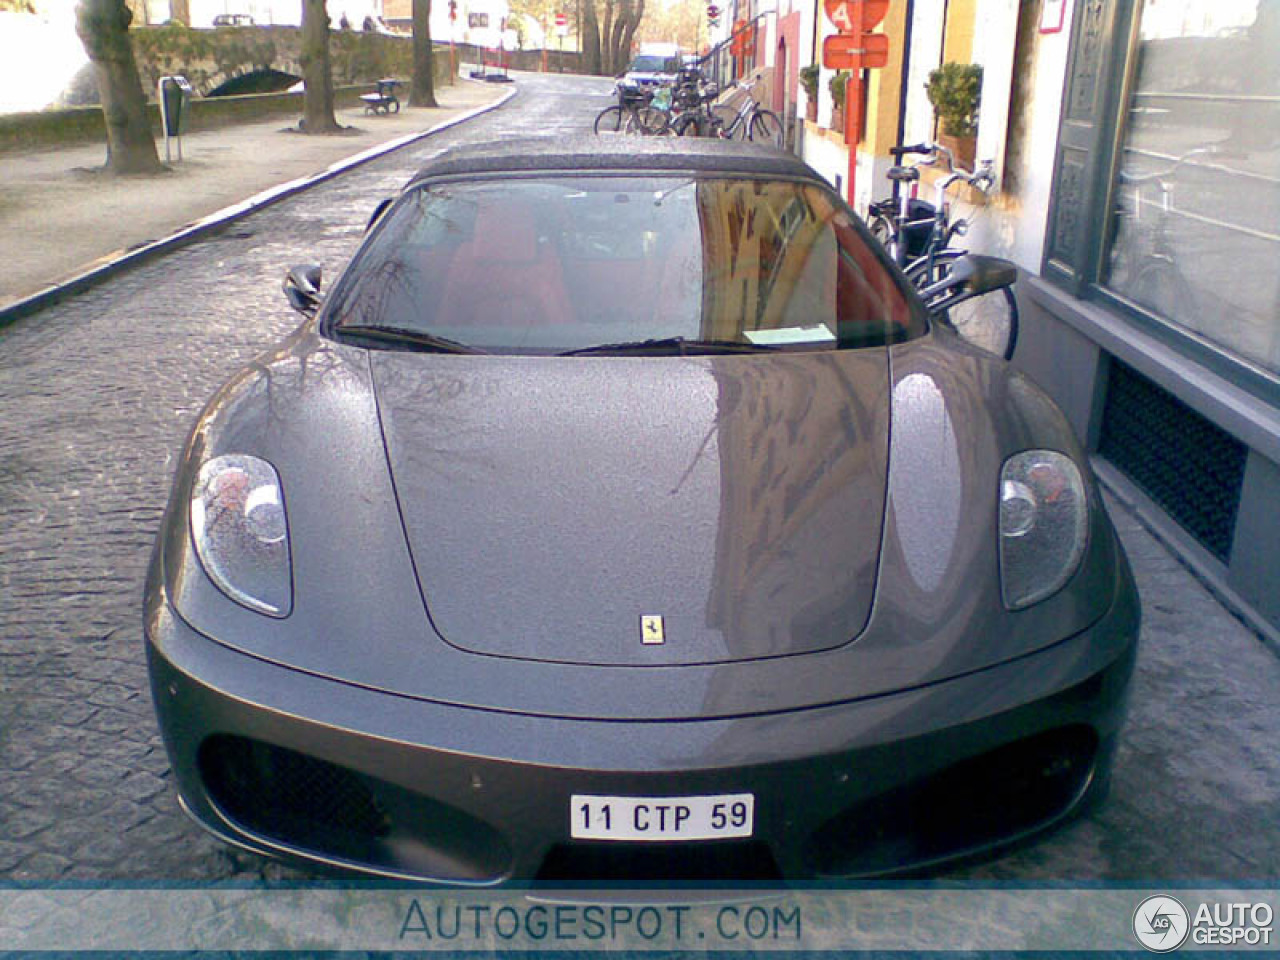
<point>293,765</point>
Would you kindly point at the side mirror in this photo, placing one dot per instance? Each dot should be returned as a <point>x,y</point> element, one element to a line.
<point>378,211</point>
<point>974,299</point>
<point>970,276</point>
<point>302,288</point>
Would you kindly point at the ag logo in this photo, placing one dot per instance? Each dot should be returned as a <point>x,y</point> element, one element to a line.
<point>1161,924</point>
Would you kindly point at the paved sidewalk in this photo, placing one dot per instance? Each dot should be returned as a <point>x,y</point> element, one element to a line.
<point>61,216</point>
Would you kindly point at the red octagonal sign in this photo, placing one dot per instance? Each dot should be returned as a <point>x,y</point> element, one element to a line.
<point>843,13</point>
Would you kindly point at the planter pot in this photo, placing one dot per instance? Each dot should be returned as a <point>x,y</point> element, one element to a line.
<point>963,149</point>
<point>811,110</point>
<point>837,119</point>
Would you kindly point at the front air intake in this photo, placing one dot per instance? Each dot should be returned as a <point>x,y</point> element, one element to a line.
<point>291,797</point>
<point>966,807</point>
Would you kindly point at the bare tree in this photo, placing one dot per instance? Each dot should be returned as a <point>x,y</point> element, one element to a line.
<point>608,30</point>
<point>423,91</point>
<point>619,36</point>
<point>103,27</point>
<point>180,10</point>
<point>317,70</point>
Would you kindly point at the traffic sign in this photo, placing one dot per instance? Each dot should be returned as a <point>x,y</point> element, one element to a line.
<point>843,51</point>
<point>844,13</point>
<point>562,19</point>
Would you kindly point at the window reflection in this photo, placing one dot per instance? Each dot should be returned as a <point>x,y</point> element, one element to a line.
<point>1196,212</point>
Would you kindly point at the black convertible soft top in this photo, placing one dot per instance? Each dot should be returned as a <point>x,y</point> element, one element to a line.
<point>620,153</point>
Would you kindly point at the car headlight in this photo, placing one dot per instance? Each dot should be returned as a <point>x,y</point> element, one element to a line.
<point>241,534</point>
<point>1043,525</point>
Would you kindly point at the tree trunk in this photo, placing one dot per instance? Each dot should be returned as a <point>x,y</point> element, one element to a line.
<point>607,66</point>
<point>629,33</point>
<point>617,56</point>
<point>590,28</point>
<point>180,10</point>
<point>103,27</point>
<point>317,73</point>
<point>423,93</point>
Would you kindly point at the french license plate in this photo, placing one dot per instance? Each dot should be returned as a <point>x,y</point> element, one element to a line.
<point>658,819</point>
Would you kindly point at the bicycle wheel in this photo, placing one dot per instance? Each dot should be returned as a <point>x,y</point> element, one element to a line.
<point>989,321</point>
<point>611,120</point>
<point>766,128</point>
<point>649,121</point>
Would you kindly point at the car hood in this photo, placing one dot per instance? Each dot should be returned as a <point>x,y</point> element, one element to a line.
<point>550,504</point>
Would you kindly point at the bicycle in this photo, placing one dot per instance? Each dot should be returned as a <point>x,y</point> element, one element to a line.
<point>917,236</point>
<point>750,122</point>
<point>637,115</point>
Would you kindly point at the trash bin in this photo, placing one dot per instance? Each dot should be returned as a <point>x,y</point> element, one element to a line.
<point>175,108</point>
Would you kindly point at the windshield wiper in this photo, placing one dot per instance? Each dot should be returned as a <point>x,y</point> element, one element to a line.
<point>411,339</point>
<point>679,346</point>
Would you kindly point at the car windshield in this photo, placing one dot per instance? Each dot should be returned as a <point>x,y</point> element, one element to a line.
<point>592,264</point>
<point>654,64</point>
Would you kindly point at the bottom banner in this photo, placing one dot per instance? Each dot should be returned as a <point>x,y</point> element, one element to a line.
<point>238,919</point>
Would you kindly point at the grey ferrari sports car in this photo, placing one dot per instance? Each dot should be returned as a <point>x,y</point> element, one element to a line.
<point>622,512</point>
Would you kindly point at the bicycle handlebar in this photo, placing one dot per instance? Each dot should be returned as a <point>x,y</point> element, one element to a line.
<point>920,148</point>
<point>982,178</point>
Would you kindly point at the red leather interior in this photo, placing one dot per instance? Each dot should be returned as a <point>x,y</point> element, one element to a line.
<point>504,275</point>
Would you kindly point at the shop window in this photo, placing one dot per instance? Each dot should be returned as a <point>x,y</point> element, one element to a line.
<point>1194,226</point>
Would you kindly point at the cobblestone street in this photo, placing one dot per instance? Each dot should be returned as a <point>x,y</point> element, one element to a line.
<point>96,397</point>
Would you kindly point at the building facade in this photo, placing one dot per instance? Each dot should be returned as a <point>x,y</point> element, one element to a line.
<point>1154,315</point>
<point>1136,148</point>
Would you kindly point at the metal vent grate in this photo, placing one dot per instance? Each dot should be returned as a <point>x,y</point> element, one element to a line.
<point>1188,466</point>
<point>288,795</point>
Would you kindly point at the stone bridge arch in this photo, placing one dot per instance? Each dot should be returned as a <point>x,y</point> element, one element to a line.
<point>210,59</point>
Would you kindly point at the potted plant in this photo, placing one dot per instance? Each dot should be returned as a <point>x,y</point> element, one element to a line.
<point>809,81</point>
<point>837,87</point>
<point>955,90</point>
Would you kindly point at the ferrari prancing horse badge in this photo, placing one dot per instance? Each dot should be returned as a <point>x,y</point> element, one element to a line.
<point>651,630</point>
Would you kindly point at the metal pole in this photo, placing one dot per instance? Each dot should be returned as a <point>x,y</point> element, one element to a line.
<point>853,108</point>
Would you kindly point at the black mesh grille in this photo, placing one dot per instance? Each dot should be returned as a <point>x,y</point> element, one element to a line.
<point>288,795</point>
<point>1191,468</point>
<point>1013,789</point>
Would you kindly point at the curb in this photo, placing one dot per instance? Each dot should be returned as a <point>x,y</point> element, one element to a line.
<point>220,218</point>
